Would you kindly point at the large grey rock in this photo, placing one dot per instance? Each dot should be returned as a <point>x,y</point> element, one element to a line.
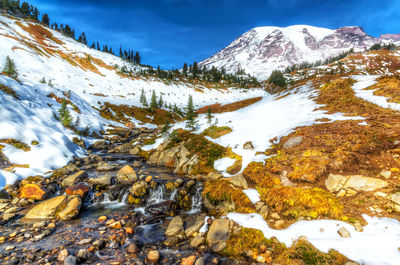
<point>126,175</point>
<point>292,142</point>
<point>175,227</point>
<point>239,181</point>
<point>99,145</point>
<point>218,234</point>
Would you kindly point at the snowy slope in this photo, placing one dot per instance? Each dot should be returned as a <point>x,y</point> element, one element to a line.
<point>264,49</point>
<point>91,78</point>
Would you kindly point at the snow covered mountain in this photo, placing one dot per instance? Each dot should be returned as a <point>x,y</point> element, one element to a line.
<point>264,49</point>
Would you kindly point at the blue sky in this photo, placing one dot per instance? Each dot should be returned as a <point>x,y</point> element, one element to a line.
<point>171,32</point>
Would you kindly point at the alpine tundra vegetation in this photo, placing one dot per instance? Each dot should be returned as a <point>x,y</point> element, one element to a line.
<point>282,148</point>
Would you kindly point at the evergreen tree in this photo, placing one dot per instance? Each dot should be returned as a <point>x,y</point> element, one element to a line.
<point>153,102</point>
<point>137,58</point>
<point>209,116</point>
<point>64,115</point>
<point>185,69</point>
<point>9,68</point>
<point>46,19</point>
<point>277,78</point>
<point>25,9</point>
<point>160,102</point>
<point>143,99</point>
<point>191,123</point>
<point>195,69</point>
<point>165,131</point>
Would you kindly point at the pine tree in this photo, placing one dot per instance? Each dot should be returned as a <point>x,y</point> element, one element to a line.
<point>46,19</point>
<point>209,116</point>
<point>191,123</point>
<point>10,69</point>
<point>277,78</point>
<point>165,131</point>
<point>185,69</point>
<point>153,102</point>
<point>143,99</point>
<point>160,102</point>
<point>64,115</point>
<point>137,58</point>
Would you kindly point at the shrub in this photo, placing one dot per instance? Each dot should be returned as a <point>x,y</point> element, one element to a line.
<point>9,68</point>
<point>64,115</point>
<point>277,78</point>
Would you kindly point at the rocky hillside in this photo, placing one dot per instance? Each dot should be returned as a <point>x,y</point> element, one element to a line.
<point>264,49</point>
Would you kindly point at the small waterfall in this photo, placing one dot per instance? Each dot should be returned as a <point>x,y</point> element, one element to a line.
<point>197,200</point>
<point>157,195</point>
<point>173,194</point>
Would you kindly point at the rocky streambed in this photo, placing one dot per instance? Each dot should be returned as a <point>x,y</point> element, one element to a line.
<point>109,208</point>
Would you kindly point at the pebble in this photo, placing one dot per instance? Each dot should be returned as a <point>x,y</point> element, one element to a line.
<point>70,260</point>
<point>153,256</point>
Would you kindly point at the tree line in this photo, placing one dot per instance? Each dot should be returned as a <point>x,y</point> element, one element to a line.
<point>25,10</point>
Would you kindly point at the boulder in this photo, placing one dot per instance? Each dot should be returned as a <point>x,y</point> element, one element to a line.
<point>104,181</point>
<point>61,207</point>
<point>135,151</point>
<point>80,189</point>
<point>197,241</point>
<point>395,201</point>
<point>126,175</point>
<point>139,189</point>
<point>218,234</point>
<point>163,208</point>
<point>123,148</point>
<point>189,260</point>
<point>292,142</point>
<point>74,178</point>
<point>33,191</point>
<point>99,145</point>
<point>343,232</point>
<point>175,227</point>
<point>137,164</point>
<point>239,181</point>
<point>248,146</point>
<point>153,256</point>
<point>104,166</point>
<point>195,227</point>
<point>349,185</point>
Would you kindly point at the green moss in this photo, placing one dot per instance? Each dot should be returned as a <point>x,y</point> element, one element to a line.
<point>34,142</point>
<point>17,144</point>
<point>311,256</point>
<point>216,132</point>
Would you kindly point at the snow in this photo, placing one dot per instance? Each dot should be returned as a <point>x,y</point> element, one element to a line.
<point>365,81</point>
<point>377,244</point>
<point>223,164</point>
<point>253,195</point>
<point>155,145</point>
<point>273,116</point>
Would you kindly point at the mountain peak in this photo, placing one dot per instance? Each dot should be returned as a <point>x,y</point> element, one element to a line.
<point>355,30</point>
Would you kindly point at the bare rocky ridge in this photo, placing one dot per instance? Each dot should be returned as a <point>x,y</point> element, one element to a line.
<point>264,49</point>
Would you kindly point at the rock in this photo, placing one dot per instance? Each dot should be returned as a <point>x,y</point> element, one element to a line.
<point>61,207</point>
<point>163,208</point>
<point>135,151</point>
<point>137,164</point>
<point>139,189</point>
<point>188,261</point>
<point>75,178</point>
<point>195,227</point>
<point>386,174</point>
<point>85,241</point>
<point>350,184</point>
<point>103,181</point>
<point>33,191</point>
<point>275,216</point>
<point>153,256</point>
<point>279,224</point>
<point>123,148</point>
<point>126,175</point>
<point>248,146</point>
<point>239,181</point>
<point>98,145</point>
<point>395,201</point>
<point>175,227</point>
<point>351,263</point>
<point>171,241</point>
<point>104,166</point>
<point>214,176</point>
<point>199,261</point>
<point>80,189</point>
<point>218,234</point>
<point>292,142</point>
<point>132,248</point>
<point>83,255</point>
<point>343,232</point>
<point>358,227</point>
<point>62,255</point>
<point>148,179</point>
<point>197,241</point>
<point>70,260</point>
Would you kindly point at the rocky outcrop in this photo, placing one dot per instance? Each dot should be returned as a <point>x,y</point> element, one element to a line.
<point>178,157</point>
<point>218,234</point>
<point>61,207</point>
<point>350,185</point>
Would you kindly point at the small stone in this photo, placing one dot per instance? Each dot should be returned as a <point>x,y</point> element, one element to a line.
<point>132,248</point>
<point>197,241</point>
<point>85,241</point>
<point>343,232</point>
<point>102,219</point>
<point>275,216</point>
<point>175,227</point>
<point>83,254</point>
<point>153,256</point>
<point>137,164</point>
<point>215,261</point>
<point>100,243</point>
<point>292,142</point>
<point>199,261</point>
<point>188,261</point>
<point>129,230</point>
<point>358,227</point>
<point>148,179</point>
<point>62,255</point>
<point>70,260</point>
<point>386,174</point>
<point>263,248</point>
<point>260,259</point>
<point>39,224</point>
<point>171,241</point>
